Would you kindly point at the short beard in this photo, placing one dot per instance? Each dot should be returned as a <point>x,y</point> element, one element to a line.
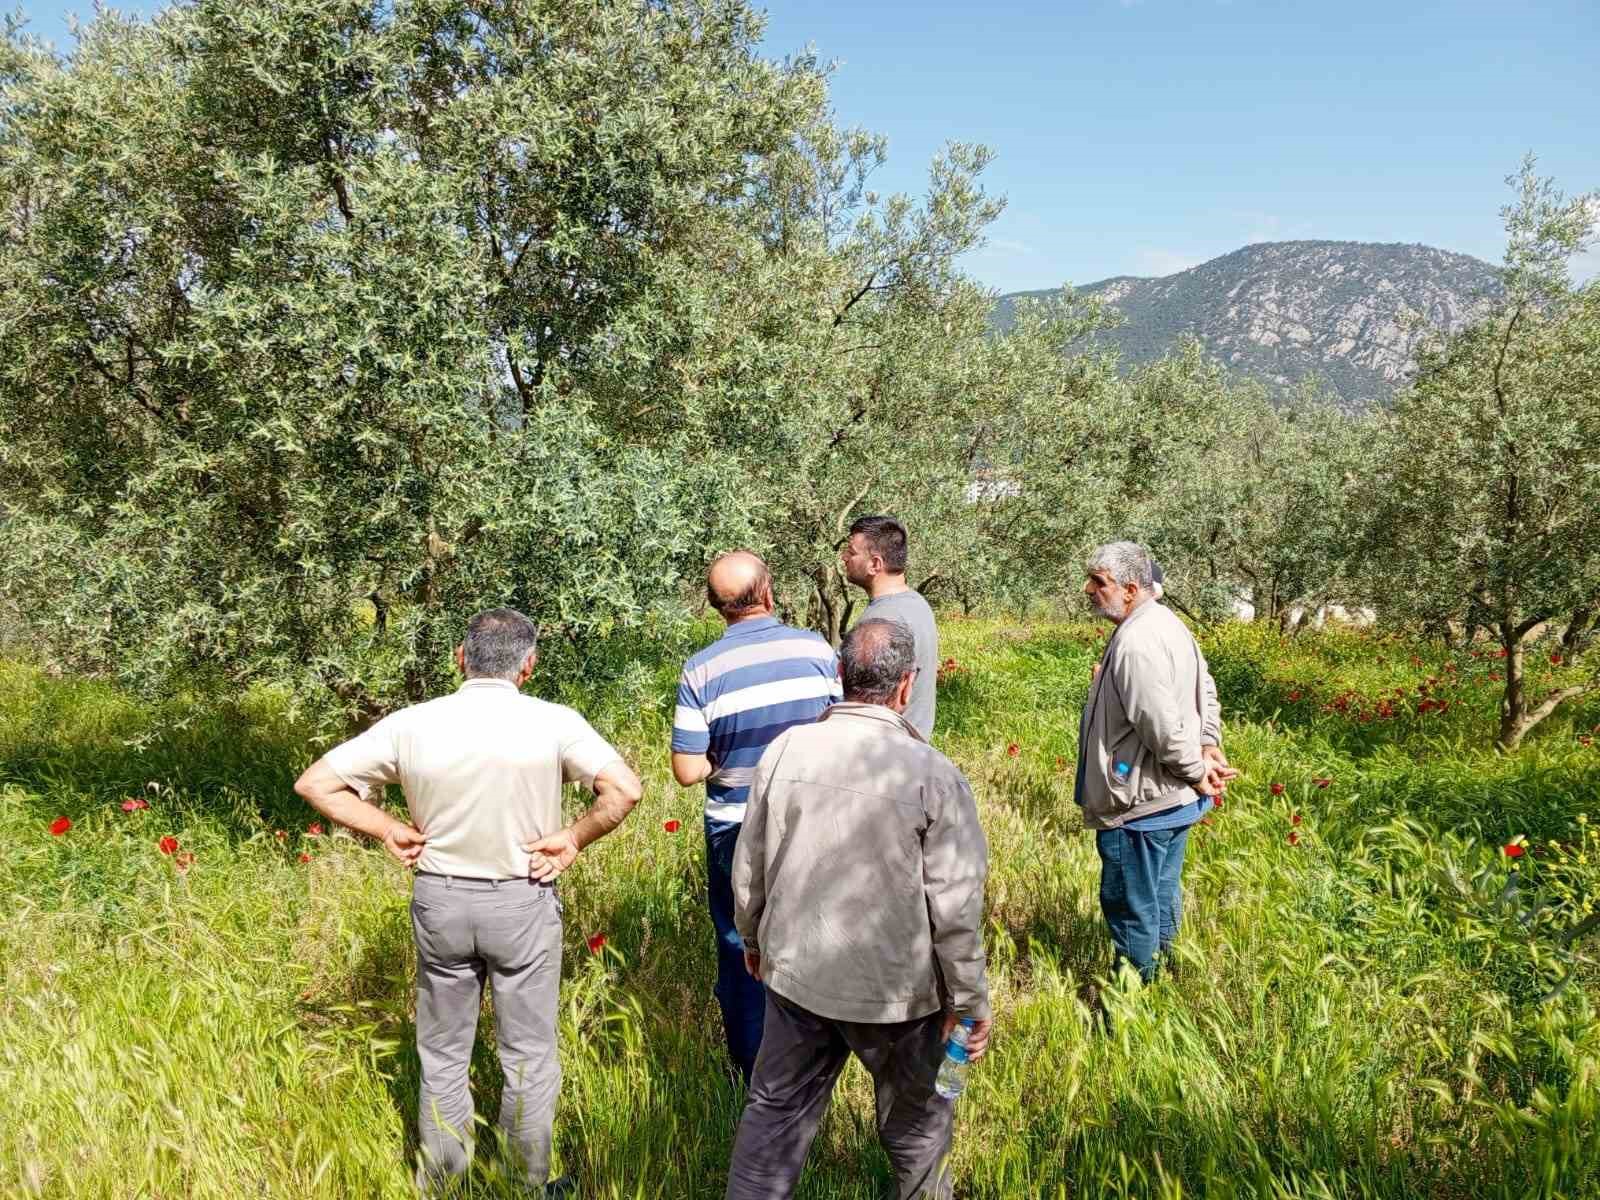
<point>1111,614</point>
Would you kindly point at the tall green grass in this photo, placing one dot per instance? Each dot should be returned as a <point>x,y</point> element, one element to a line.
<point>1357,1012</point>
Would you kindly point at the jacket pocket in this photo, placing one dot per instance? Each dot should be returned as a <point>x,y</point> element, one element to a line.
<point>1124,769</point>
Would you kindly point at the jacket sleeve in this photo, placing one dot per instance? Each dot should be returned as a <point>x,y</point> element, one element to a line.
<point>955,863</point>
<point>749,874</point>
<point>1146,684</point>
<point>1210,706</point>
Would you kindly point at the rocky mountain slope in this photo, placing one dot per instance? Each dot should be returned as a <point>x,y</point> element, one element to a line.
<point>1352,313</point>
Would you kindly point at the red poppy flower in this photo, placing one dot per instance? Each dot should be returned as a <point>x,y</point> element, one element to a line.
<point>1555,660</point>
<point>672,826</point>
<point>1294,837</point>
<point>1294,818</point>
<point>597,943</point>
<point>1013,749</point>
<point>1323,782</point>
<point>1293,696</point>
<point>1277,789</point>
<point>59,826</point>
<point>281,834</point>
<point>1586,741</point>
<point>314,829</point>
<point>304,857</point>
<point>1513,850</point>
<point>167,845</point>
<point>135,804</point>
<point>184,861</point>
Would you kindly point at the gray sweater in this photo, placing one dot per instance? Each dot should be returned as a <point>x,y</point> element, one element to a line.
<point>912,611</point>
<point>859,872</point>
<point>1150,709</point>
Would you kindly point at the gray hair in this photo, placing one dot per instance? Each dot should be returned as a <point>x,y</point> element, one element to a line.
<point>497,641</point>
<point>874,657</point>
<point>1125,562</point>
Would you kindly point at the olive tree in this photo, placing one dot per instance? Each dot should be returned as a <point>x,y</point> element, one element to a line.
<point>1484,505</point>
<point>329,321</point>
<point>324,318</point>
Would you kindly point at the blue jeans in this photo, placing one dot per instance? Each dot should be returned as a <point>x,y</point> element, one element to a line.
<point>741,997</point>
<point>1141,891</point>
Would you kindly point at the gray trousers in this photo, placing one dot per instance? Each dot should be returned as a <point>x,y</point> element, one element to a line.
<point>509,933</point>
<point>800,1060</point>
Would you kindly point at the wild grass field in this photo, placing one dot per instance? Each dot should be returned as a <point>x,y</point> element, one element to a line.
<point>1374,930</point>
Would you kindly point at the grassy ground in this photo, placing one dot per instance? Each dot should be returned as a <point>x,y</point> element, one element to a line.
<point>1360,1008</point>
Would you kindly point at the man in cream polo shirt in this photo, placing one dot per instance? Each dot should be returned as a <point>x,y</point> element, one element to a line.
<point>482,771</point>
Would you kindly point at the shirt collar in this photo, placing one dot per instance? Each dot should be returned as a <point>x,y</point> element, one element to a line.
<point>882,714</point>
<point>486,684</point>
<point>1142,611</point>
<point>751,625</point>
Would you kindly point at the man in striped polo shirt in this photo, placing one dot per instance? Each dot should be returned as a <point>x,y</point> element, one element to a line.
<point>734,698</point>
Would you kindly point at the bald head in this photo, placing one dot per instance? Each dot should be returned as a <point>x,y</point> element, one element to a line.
<point>738,585</point>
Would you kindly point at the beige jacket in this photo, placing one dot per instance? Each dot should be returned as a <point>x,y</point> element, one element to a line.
<point>1151,707</point>
<point>859,872</point>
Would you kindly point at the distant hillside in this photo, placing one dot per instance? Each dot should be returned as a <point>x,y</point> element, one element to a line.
<point>1280,311</point>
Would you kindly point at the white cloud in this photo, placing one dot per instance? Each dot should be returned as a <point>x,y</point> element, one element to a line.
<point>1154,260</point>
<point>1009,246</point>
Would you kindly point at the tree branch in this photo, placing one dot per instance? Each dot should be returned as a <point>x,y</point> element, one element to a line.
<point>1556,698</point>
<point>1517,631</point>
<point>523,389</point>
<point>839,433</point>
<point>866,287</point>
<point>841,522</point>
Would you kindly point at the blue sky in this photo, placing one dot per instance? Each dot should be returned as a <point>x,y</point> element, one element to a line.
<point>1144,136</point>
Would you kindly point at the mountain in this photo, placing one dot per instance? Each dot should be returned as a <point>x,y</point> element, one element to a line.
<point>1281,311</point>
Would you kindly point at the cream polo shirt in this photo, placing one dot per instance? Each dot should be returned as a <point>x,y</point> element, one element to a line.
<point>482,771</point>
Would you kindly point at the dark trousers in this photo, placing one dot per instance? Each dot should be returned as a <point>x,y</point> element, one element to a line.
<point>1141,891</point>
<point>801,1057</point>
<point>740,996</point>
<point>506,933</point>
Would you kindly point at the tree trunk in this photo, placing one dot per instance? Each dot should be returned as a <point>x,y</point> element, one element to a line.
<point>831,609</point>
<point>1579,630</point>
<point>1514,703</point>
<point>1517,719</point>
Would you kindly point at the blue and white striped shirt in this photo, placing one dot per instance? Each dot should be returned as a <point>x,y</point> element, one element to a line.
<point>739,693</point>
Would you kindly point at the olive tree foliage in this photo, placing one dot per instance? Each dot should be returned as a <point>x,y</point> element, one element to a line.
<point>888,390</point>
<point>1483,507</point>
<point>1263,506</point>
<point>330,321</point>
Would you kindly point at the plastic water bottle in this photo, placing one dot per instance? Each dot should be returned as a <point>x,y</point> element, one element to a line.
<point>953,1070</point>
<point>1123,770</point>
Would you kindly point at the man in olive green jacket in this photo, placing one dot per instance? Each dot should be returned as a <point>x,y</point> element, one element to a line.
<point>1150,758</point>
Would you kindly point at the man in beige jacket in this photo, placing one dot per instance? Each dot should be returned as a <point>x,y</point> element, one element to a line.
<point>858,891</point>
<point>1150,759</point>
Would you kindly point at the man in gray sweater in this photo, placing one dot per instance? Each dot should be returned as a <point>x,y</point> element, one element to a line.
<point>1150,759</point>
<point>874,558</point>
<point>858,891</point>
